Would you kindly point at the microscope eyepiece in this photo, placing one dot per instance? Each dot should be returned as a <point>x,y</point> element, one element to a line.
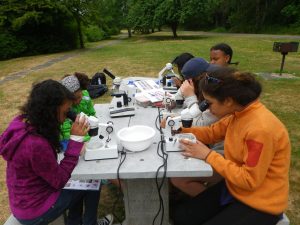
<point>71,115</point>
<point>203,105</point>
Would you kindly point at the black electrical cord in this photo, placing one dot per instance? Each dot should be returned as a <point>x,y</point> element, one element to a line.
<point>159,185</point>
<point>162,154</point>
<point>158,118</point>
<point>120,193</point>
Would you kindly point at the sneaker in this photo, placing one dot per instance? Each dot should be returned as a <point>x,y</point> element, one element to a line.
<point>107,220</point>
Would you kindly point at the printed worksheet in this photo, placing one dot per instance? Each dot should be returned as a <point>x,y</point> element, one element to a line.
<point>93,185</point>
<point>146,85</point>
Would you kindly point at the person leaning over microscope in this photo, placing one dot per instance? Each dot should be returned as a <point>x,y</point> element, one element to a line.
<point>178,62</point>
<point>256,158</point>
<point>30,144</point>
<point>193,71</point>
<point>189,91</point>
<point>76,216</point>
<point>77,84</point>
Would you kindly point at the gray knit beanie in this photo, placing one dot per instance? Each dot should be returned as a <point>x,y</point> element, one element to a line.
<point>71,83</point>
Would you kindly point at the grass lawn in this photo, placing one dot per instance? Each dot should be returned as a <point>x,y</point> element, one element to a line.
<point>145,56</point>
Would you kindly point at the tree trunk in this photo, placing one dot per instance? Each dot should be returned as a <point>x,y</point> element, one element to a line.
<point>79,32</point>
<point>174,29</point>
<point>257,16</point>
<point>129,32</point>
<point>264,14</point>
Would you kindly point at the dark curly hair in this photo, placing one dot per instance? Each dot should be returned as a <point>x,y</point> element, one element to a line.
<point>224,83</point>
<point>83,79</point>
<point>41,109</point>
<point>224,48</point>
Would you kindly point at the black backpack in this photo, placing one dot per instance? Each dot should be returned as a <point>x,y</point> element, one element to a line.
<point>98,78</point>
<point>96,91</point>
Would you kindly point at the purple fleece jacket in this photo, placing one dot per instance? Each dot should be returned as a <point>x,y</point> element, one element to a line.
<point>33,176</point>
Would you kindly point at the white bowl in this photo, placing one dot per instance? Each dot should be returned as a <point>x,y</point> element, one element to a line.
<point>136,138</point>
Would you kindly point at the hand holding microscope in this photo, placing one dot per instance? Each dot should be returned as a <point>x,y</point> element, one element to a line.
<point>103,144</point>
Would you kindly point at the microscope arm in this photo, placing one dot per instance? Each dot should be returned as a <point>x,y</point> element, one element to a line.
<point>173,123</point>
<point>168,66</point>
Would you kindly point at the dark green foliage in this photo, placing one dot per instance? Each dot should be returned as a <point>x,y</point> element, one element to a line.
<point>43,26</point>
<point>168,12</point>
<point>10,46</point>
<point>36,27</point>
<point>94,33</point>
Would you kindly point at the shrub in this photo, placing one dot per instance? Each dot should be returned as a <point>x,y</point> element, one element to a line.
<point>94,33</point>
<point>113,31</point>
<point>10,46</point>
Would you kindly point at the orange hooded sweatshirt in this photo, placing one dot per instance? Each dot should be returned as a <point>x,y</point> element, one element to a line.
<point>256,156</point>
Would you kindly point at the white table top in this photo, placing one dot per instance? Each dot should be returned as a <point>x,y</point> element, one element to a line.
<point>140,164</point>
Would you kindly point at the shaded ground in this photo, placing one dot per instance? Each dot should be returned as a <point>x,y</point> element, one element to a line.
<point>51,62</point>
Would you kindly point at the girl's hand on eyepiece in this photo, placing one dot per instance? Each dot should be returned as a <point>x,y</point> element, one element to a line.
<point>81,126</point>
<point>187,88</point>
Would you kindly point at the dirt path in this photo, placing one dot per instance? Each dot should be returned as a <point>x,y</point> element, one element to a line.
<point>22,73</point>
<point>279,36</point>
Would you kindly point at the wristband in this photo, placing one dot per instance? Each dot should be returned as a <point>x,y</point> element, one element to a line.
<point>77,138</point>
<point>207,155</point>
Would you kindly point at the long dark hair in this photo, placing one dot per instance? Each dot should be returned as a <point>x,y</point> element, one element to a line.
<point>181,60</point>
<point>41,109</point>
<point>197,87</point>
<point>83,79</point>
<point>224,83</point>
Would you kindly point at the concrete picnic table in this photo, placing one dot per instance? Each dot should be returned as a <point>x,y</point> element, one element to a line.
<point>138,172</point>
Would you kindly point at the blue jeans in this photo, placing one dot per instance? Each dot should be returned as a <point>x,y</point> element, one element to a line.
<point>89,217</point>
<point>66,200</point>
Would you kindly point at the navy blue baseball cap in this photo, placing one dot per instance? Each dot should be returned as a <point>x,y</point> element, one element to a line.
<point>196,66</point>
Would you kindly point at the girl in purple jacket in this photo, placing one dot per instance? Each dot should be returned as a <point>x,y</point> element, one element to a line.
<point>35,179</point>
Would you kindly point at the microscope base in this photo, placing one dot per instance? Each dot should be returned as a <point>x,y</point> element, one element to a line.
<point>123,111</point>
<point>173,145</point>
<point>101,153</point>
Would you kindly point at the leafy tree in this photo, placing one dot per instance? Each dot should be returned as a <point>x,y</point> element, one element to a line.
<point>126,21</point>
<point>79,9</point>
<point>291,12</point>
<point>168,12</point>
<point>39,26</point>
<point>106,14</point>
<point>140,15</point>
<point>198,14</point>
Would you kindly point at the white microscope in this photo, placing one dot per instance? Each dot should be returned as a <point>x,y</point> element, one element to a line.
<point>168,103</point>
<point>103,144</point>
<point>120,105</point>
<point>185,120</point>
<point>172,125</point>
<point>116,80</point>
<point>165,76</point>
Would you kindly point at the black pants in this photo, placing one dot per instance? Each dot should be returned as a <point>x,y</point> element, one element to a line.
<point>205,209</point>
